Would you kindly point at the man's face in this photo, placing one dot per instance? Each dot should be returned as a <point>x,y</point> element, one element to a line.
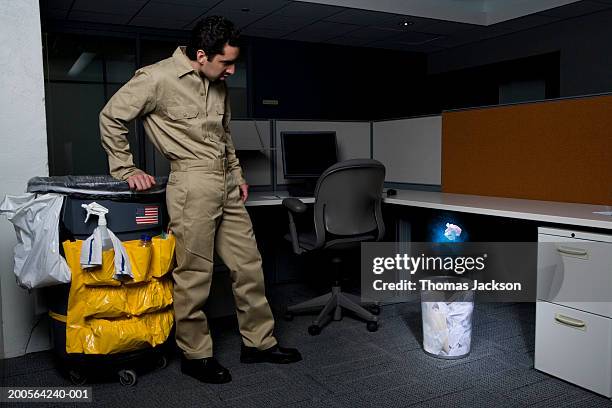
<point>221,66</point>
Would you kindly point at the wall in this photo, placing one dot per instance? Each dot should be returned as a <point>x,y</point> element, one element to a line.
<point>322,81</point>
<point>583,43</point>
<point>23,155</point>
<point>481,85</point>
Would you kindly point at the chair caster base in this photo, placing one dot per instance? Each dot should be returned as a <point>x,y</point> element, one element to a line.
<point>372,326</point>
<point>314,330</point>
<point>375,310</point>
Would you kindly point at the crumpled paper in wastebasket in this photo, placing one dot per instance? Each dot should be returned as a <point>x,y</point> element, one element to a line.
<point>447,327</point>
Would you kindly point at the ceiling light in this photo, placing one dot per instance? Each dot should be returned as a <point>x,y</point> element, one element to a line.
<point>81,63</point>
<point>406,23</point>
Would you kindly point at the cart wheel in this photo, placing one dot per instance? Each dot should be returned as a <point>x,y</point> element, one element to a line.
<point>76,377</point>
<point>162,362</point>
<point>314,330</point>
<point>374,309</point>
<point>127,377</point>
<point>372,326</point>
<point>288,316</point>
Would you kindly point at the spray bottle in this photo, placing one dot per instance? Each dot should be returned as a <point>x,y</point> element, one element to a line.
<point>94,208</point>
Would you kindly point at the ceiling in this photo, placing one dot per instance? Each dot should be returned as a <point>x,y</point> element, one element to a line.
<point>416,25</point>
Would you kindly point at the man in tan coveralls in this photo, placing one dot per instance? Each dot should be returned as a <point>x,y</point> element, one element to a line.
<point>185,110</point>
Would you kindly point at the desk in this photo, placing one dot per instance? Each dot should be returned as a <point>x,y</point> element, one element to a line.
<point>261,198</point>
<point>586,357</point>
<point>532,211</point>
<point>579,215</point>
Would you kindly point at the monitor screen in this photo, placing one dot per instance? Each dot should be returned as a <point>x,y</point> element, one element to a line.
<point>308,154</point>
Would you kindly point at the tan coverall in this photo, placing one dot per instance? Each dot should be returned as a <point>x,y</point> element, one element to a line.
<point>187,118</point>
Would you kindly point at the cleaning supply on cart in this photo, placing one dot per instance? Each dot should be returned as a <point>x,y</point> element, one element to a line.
<point>145,241</point>
<point>94,208</point>
<point>102,240</point>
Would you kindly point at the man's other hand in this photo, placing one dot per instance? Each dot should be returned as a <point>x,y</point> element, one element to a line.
<point>244,192</point>
<point>141,181</point>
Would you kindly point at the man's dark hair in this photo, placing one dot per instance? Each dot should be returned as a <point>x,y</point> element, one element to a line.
<point>210,35</point>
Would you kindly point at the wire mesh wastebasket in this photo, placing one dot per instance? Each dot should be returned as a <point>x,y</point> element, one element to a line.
<point>447,317</point>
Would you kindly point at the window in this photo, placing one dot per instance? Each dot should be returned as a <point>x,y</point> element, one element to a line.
<point>82,72</point>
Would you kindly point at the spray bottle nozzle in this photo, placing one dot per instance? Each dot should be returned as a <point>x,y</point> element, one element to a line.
<point>96,209</point>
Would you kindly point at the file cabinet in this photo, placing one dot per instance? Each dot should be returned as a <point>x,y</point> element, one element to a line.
<point>574,309</point>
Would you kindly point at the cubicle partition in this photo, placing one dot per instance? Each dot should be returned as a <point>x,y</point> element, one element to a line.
<point>558,150</point>
<point>410,149</point>
<point>252,141</point>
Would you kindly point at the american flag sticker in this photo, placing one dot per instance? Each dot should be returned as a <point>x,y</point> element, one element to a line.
<point>147,215</point>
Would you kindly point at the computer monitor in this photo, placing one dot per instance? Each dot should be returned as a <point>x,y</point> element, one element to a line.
<point>306,155</point>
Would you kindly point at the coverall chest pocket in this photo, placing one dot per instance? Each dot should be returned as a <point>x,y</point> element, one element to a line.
<point>183,115</point>
<point>217,112</point>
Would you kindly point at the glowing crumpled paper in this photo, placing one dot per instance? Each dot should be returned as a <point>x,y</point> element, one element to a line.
<point>452,231</point>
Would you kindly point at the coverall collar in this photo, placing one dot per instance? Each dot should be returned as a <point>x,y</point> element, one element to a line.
<point>181,62</point>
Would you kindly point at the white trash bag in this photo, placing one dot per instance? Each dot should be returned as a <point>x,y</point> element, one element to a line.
<point>38,262</point>
<point>447,328</point>
<point>447,320</point>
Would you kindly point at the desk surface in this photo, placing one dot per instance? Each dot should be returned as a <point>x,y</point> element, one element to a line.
<point>534,210</point>
<point>258,198</point>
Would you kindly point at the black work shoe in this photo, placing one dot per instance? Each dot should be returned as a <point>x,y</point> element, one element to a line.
<point>207,370</point>
<point>275,354</point>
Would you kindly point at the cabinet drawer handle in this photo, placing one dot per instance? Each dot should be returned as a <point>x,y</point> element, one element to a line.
<point>572,251</point>
<point>568,321</point>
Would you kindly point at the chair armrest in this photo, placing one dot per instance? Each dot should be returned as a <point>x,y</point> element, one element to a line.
<point>294,205</point>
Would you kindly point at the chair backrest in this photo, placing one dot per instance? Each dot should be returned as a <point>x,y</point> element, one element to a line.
<point>348,200</point>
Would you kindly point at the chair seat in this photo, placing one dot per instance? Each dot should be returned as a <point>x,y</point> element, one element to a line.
<point>308,241</point>
<point>348,243</point>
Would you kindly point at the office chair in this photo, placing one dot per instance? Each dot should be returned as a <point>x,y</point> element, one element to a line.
<point>347,211</point>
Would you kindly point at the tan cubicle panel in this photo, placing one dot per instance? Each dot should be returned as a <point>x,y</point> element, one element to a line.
<point>557,150</point>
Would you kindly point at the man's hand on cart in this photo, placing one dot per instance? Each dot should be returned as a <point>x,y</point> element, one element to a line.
<point>140,181</point>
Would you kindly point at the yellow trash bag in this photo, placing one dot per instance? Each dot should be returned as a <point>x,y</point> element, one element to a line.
<point>149,297</point>
<point>129,334</point>
<point>100,276</point>
<point>162,256</point>
<point>159,325</point>
<point>140,260</point>
<point>102,319</point>
<point>125,301</point>
<point>146,262</point>
<point>106,302</point>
